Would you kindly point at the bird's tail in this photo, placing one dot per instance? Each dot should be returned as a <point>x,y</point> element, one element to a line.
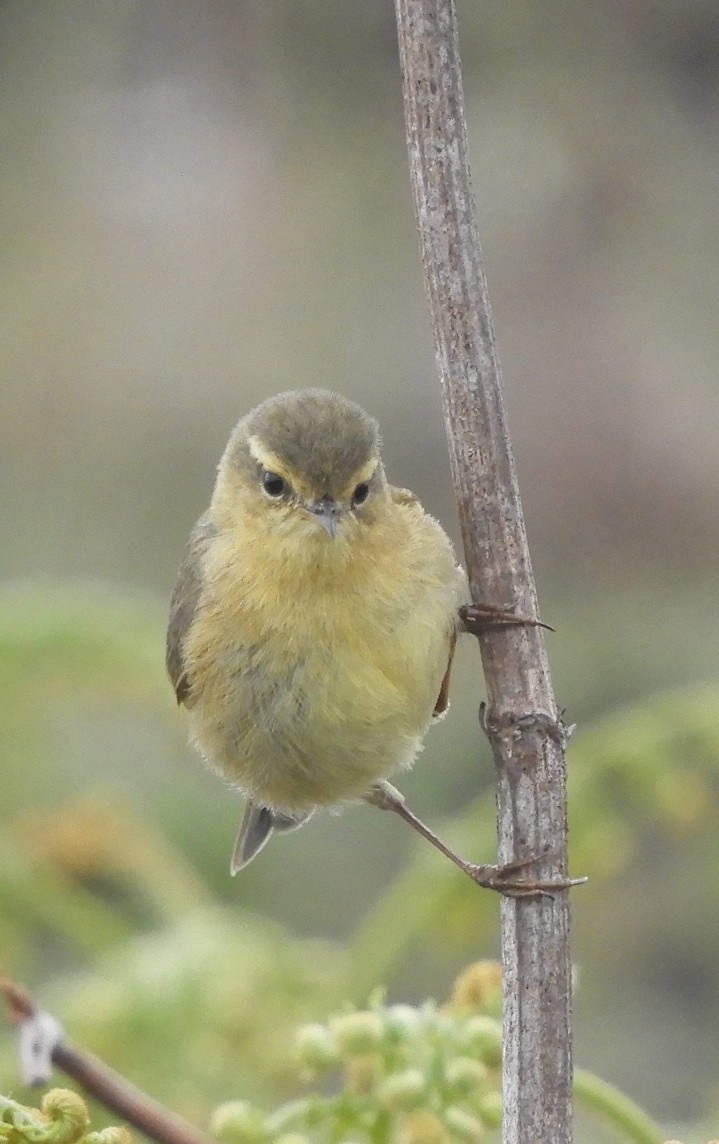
<point>258,825</point>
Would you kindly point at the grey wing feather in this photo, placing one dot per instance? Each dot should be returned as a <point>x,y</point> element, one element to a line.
<point>185,597</point>
<point>258,825</point>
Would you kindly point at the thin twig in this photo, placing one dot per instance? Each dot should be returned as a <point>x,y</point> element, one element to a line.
<point>108,1087</point>
<point>522,721</point>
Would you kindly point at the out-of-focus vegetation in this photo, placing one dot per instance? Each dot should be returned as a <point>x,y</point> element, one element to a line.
<point>426,1075</point>
<point>62,1119</point>
<point>204,203</point>
<point>148,962</point>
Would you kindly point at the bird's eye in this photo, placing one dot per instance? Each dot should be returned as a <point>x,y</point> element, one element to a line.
<point>273,484</point>
<point>359,496</point>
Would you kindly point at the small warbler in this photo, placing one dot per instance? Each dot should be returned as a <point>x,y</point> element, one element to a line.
<point>314,616</point>
<point>313,623</point>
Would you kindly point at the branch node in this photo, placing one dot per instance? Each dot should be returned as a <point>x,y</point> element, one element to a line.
<point>520,738</point>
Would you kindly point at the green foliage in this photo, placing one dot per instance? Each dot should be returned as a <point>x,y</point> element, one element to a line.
<point>122,934</point>
<point>423,1075</point>
<point>410,1075</point>
<point>200,1009</point>
<point>62,1119</point>
<point>416,1075</point>
<point>641,778</point>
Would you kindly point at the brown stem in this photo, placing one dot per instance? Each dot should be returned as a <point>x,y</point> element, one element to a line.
<point>523,725</point>
<point>108,1087</point>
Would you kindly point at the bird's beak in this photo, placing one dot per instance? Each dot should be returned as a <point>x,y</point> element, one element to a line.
<point>327,512</point>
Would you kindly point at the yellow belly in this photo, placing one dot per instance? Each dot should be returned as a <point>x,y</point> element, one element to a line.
<point>313,683</point>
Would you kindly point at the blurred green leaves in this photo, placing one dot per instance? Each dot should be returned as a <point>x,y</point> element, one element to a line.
<point>105,909</point>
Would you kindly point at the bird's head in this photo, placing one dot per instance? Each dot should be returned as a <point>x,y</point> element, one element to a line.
<point>307,463</point>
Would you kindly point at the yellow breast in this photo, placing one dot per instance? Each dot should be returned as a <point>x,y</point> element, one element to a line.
<point>316,663</point>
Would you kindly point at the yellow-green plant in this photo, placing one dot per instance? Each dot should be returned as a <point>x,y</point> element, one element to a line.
<point>424,1075</point>
<point>62,1118</point>
<point>104,913</point>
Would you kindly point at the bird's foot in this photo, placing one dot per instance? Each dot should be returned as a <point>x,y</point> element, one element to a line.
<point>476,618</point>
<point>503,879</point>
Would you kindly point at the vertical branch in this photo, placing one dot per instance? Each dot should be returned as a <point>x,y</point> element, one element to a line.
<point>523,725</point>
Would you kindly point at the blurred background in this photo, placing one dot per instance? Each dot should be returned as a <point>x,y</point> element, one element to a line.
<point>206,202</point>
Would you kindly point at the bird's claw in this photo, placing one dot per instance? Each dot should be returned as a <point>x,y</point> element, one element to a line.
<point>476,618</point>
<point>503,879</point>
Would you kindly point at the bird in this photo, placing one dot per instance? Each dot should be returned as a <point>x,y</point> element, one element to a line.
<point>313,623</point>
<point>314,616</point>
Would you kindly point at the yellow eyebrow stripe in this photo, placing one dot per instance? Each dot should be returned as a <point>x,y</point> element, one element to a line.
<point>364,474</point>
<point>266,458</point>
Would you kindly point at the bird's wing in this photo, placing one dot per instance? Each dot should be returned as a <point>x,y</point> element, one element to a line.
<point>407,497</point>
<point>443,698</point>
<point>185,597</point>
